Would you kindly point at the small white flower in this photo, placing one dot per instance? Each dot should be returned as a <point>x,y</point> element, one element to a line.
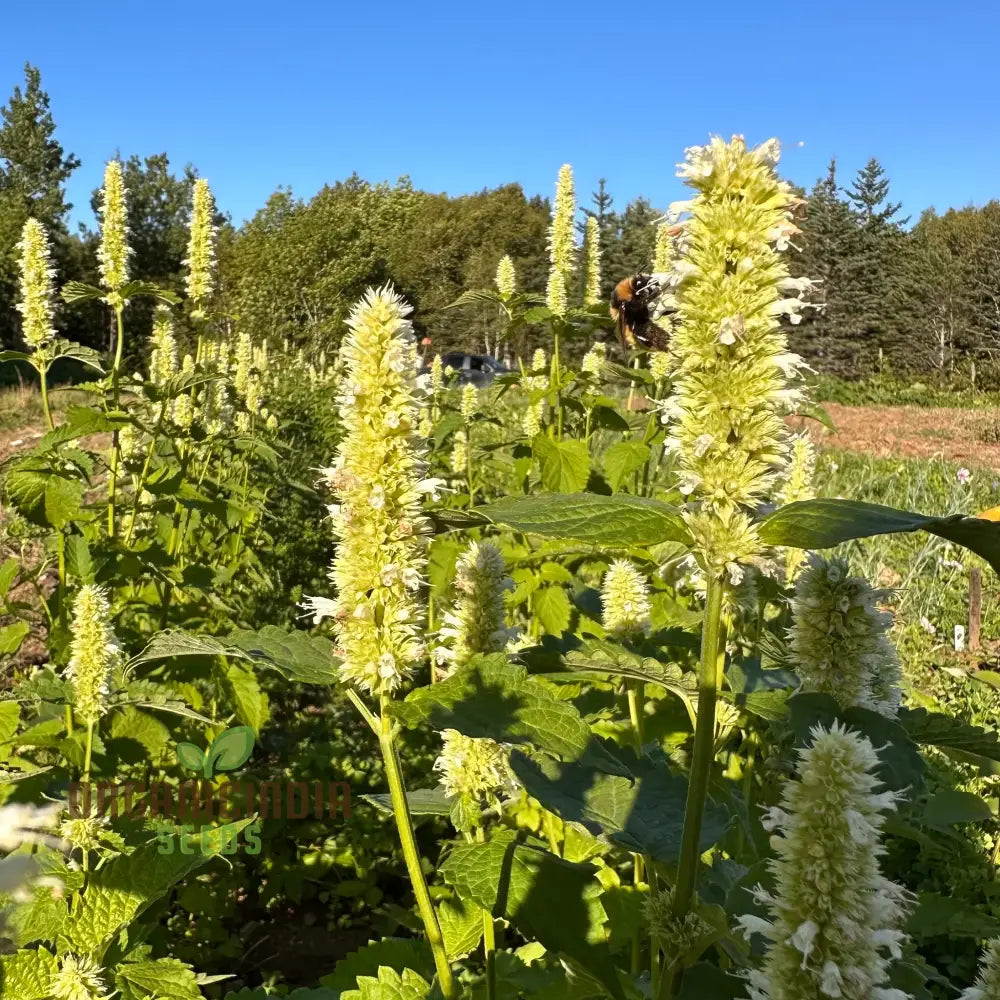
<point>927,625</point>
<point>318,607</point>
<point>377,497</point>
<point>963,476</point>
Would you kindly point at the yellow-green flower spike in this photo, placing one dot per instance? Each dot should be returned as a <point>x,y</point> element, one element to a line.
<point>476,770</point>
<point>592,263</point>
<point>663,256</point>
<point>506,277</point>
<point>94,651</point>
<point>987,984</point>
<point>555,293</point>
<point>200,258</point>
<point>562,241</point>
<point>834,918</point>
<point>469,402</point>
<point>113,252</point>
<point>798,486</point>
<point>593,360</point>
<point>625,599</point>
<point>734,376</point>
<point>477,623</point>
<point>163,357</point>
<point>377,479</point>
<point>36,304</point>
<point>839,638</point>
<point>183,408</point>
<point>459,457</point>
<point>243,364</point>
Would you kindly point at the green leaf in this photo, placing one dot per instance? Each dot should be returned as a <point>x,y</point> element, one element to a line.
<point>620,521</point>
<point>63,498</point>
<point>389,953</point>
<point>230,749</point>
<point>644,814</point>
<point>823,523</point>
<point>191,757</point>
<point>421,802</point>
<point>163,978</point>
<point>8,574</point>
<point>10,716</point>
<point>390,985</point>
<point>78,291</point>
<point>243,689</point>
<point>622,459</point>
<point>523,885</point>
<point>493,697</point>
<point>945,916</point>
<point>950,806</point>
<point>119,891</point>
<point>949,733</point>
<point>26,974</point>
<point>11,636</point>
<point>131,725</point>
<point>564,465</point>
<point>149,289</point>
<point>704,980</point>
<point>551,606</point>
<point>78,559</point>
<point>462,927</point>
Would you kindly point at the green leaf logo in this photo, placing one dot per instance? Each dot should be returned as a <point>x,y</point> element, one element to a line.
<point>229,750</point>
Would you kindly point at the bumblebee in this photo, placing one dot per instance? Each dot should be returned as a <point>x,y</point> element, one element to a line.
<point>631,303</point>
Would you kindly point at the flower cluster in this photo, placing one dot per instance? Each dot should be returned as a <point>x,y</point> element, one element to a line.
<point>377,479</point>
<point>78,978</point>
<point>625,600</point>
<point>469,401</point>
<point>477,624</point>
<point>562,243</point>
<point>663,255</point>
<point>733,372</point>
<point>532,420</point>
<point>798,485</point>
<point>476,770</point>
<point>838,636</point>
<point>113,251</point>
<point>833,914</point>
<point>163,356</point>
<point>36,305</point>
<point>94,652</point>
<point>506,277</point>
<point>592,263</point>
<point>201,247</point>
<point>987,984</point>
<point>676,936</point>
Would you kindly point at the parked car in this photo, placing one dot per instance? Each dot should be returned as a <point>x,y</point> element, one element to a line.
<point>475,369</point>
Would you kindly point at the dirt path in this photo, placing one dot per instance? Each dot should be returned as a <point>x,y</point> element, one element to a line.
<point>912,432</point>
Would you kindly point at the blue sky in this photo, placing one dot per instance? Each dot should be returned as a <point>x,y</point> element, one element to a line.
<point>466,96</point>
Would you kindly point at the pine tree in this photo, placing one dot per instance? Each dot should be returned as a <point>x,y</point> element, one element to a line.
<point>608,231</point>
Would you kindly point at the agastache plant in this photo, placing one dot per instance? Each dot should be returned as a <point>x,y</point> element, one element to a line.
<point>200,258</point>
<point>733,380</point>
<point>592,263</point>
<point>377,480</point>
<point>36,304</point>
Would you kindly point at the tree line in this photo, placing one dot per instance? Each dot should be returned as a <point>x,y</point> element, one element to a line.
<point>915,299</point>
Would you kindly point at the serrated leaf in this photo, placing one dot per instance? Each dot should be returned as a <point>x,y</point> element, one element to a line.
<point>420,801</point>
<point>462,927</point>
<point>389,953</point>
<point>492,697</point>
<point>622,459</point>
<point>79,291</point>
<point>11,636</point>
<point>78,559</point>
<point>162,979</point>
<point>390,985</point>
<point>644,814</point>
<point>951,806</point>
<point>8,573</point>
<point>564,465</point>
<point>10,715</point>
<point>243,689</point>
<point>551,606</point>
<point>620,521</point>
<point>946,916</point>
<point>949,733</point>
<point>520,884</point>
<point>823,523</point>
<point>139,727</point>
<point>26,974</point>
<point>63,498</point>
<point>119,891</point>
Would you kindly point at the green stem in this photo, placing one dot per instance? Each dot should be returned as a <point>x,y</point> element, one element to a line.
<point>489,940</point>
<point>115,397</point>
<point>140,485</point>
<point>404,825</point>
<point>88,752</point>
<point>43,384</point>
<point>704,750</point>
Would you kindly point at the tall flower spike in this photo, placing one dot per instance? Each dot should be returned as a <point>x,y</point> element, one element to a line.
<point>798,486</point>
<point>506,277</point>
<point>377,480</point>
<point>987,984</point>
<point>94,651</point>
<point>473,770</point>
<point>562,243</point>
<point>592,263</point>
<point>201,247</point>
<point>163,357</point>
<point>625,599</point>
<point>833,914</point>
<point>36,305</point>
<point>469,402</point>
<point>839,641</point>
<point>555,292</point>
<point>593,360</point>
<point>664,253</point>
<point>732,369</point>
<point>113,251</point>
<point>477,622</point>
